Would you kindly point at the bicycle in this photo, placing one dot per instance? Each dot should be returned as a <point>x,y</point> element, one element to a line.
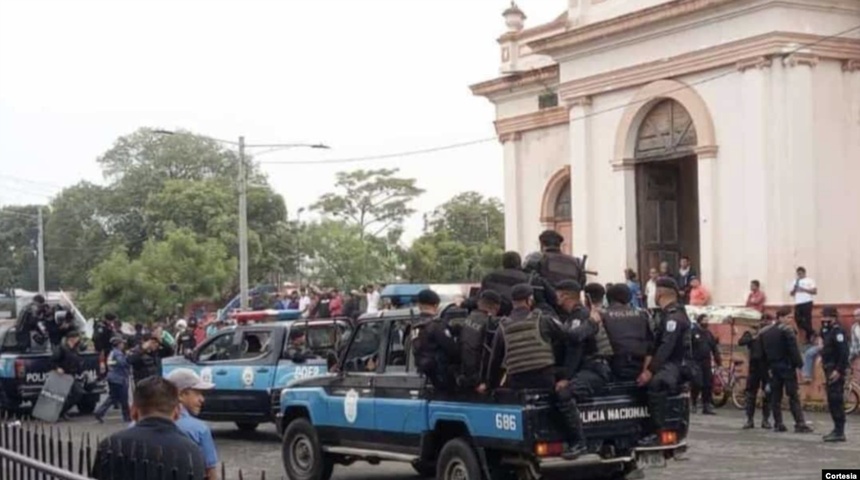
<point>852,392</point>
<point>728,384</point>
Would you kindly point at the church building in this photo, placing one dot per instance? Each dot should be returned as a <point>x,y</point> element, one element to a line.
<point>727,131</point>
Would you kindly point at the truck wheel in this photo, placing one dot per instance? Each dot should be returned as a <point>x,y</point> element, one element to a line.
<point>457,461</point>
<point>88,404</point>
<point>247,427</point>
<point>424,470</point>
<point>301,453</point>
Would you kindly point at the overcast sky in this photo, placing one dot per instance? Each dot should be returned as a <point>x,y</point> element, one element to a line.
<point>366,77</point>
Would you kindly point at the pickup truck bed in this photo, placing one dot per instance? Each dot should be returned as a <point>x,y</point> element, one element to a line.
<point>23,374</point>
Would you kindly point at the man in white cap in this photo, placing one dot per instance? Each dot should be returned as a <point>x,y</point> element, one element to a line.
<point>191,388</point>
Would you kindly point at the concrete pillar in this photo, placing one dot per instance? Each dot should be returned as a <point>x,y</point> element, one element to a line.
<point>581,176</point>
<point>513,199</point>
<point>707,176</point>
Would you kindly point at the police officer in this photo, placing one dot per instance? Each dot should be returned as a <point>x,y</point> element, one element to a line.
<point>103,334</point>
<point>783,359</point>
<point>523,345</point>
<point>572,314</point>
<point>434,350</point>
<point>629,333</point>
<point>557,266</point>
<point>66,360</point>
<point>502,281</point>
<point>663,373</point>
<point>758,377</point>
<point>472,339</point>
<point>185,339</point>
<point>594,295</point>
<point>705,346</point>
<point>544,295</point>
<point>834,359</point>
<point>31,319</point>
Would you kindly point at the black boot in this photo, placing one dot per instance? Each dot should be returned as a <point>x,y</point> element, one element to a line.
<point>656,404</point>
<point>750,424</point>
<point>708,409</point>
<point>577,445</point>
<point>779,427</point>
<point>802,428</point>
<point>766,424</point>
<point>837,435</point>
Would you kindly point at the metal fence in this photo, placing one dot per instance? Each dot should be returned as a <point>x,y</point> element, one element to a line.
<point>31,450</point>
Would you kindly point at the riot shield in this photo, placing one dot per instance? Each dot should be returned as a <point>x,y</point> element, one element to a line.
<point>53,396</point>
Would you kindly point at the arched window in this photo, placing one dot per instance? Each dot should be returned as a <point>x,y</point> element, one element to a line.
<point>561,209</point>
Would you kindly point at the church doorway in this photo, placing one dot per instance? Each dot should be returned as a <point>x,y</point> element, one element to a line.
<point>667,201</point>
<point>556,213</point>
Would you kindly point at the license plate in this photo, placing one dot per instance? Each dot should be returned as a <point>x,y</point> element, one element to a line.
<point>651,460</point>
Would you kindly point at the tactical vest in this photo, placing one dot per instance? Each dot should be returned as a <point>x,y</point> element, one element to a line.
<point>604,346</point>
<point>525,348</point>
<point>502,281</point>
<point>557,266</point>
<point>627,331</point>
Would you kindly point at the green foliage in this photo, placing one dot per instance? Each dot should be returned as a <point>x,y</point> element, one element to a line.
<point>141,289</point>
<point>18,240</point>
<point>338,256</point>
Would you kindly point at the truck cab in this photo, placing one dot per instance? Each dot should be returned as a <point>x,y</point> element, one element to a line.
<point>252,362</point>
<point>376,407</point>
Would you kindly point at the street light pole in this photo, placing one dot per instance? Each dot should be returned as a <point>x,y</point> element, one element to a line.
<point>299,245</point>
<point>41,254</point>
<point>243,228</point>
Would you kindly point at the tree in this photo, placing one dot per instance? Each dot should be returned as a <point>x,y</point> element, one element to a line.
<point>337,255</point>
<point>372,200</point>
<point>18,246</point>
<point>471,219</point>
<point>168,273</point>
<point>76,238</point>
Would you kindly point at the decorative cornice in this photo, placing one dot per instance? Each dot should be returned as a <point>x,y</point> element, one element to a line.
<point>624,23</point>
<point>508,83</point>
<point>705,152</point>
<point>801,58</point>
<point>559,23</point>
<point>851,65</point>
<point>531,121</point>
<point>510,137</point>
<point>582,101</point>
<point>753,62</point>
<point>770,45</point>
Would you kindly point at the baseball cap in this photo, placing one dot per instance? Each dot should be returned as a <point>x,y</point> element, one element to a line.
<point>185,378</point>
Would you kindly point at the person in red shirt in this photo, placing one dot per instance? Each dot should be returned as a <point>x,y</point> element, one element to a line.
<point>336,303</point>
<point>699,295</point>
<point>756,297</point>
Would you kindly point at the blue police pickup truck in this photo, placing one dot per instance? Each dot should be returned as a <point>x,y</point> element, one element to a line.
<point>23,374</point>
<point>374,407</point>
<point>252,362</point>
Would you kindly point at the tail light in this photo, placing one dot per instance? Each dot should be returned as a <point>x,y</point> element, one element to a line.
<point>668,437</point>
<point>102,364</point>
<point>549,449</point>
<point>20,371</point>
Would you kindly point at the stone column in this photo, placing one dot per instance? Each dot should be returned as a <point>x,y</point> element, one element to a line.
<point>758,174</point>
<point>513,200</point>
<point>581,183</point>
<point>801,158</point>
<point>708,193</point>
<point>626,190</point>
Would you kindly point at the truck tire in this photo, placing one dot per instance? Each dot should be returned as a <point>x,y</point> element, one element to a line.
<point>302,455</point>
<point>457,460</point>
<point>424,470</point>
<point>247,427</point>
<point>88,404</point>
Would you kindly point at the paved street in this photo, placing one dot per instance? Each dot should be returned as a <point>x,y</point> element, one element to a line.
<point>718,450</point>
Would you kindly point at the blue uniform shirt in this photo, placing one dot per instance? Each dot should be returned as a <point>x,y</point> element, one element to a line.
<point>118,368</point>
<point>200,434</point>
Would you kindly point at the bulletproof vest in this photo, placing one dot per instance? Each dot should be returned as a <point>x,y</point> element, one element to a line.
<point>525,348</point>
<point>502,281</point>
<point>425,354</point>
<point>471,340</point>
<point>755,347</point>
<point>557,266</point>
<point>701,344</point>
<point>604,346</point>
<point>831,351</point>
<point>627,331</point>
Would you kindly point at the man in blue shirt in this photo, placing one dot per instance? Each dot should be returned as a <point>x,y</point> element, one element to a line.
<point>191,388</point>
<point>117,377</point>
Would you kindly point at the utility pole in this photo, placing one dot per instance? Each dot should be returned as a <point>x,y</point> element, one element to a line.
<point>243,228</point>
<point>41,254</point>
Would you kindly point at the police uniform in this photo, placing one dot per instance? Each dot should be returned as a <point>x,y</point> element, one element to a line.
<point>472,339</point>
<point>632,340</point>
<point>757,377</point>
<point>185,341</point>
<point>672,347</point>
<point>524,345</point>
<point>29,320</point>
<point>705,346</point>
<point>544,294</point>
<point>834,360</point>
<point>501,282</point>
<point>557,266</point>
<point>434,349</point>
<point>66,357</point>
<point>783,359</point>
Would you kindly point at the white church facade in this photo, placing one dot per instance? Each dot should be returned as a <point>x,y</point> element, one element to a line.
<point>724,130</point>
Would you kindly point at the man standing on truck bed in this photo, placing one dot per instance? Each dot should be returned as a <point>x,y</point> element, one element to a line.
<point>473,342</point>
<point>663,374</point>
<point>783,358</point>
<point>629,332</point>
<point>523,345</point>
<point>502,281</point>
<point>67,361</point>
<point>434,349</point>
<point>31,319</point>
<point>557,266</point>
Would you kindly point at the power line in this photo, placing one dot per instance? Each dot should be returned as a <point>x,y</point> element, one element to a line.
<point>583,117</point>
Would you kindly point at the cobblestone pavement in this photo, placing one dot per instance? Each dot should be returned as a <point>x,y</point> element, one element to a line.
<point>719,449</point>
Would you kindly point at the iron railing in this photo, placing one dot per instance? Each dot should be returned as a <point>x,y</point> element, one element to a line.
<point>31,450</point>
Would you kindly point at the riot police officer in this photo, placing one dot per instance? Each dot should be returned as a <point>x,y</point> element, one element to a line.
<point>434,350</point>
<point>544,295</point>
<point>557,266</point>
<point>31,319</point>
<point>705,346</point>
<point>834,359</point>
<point>758,377</point>
<point>473,341</point>
<point>523,346</point>
<point>572,314</point>
<point>502,281</point>
<point>663,373</point>
<point>783,359</point>
<point>629,333</point>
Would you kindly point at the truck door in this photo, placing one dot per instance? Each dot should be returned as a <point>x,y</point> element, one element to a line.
<point>401,409</point>
<point>210,362</point>
<point>251,374</point>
